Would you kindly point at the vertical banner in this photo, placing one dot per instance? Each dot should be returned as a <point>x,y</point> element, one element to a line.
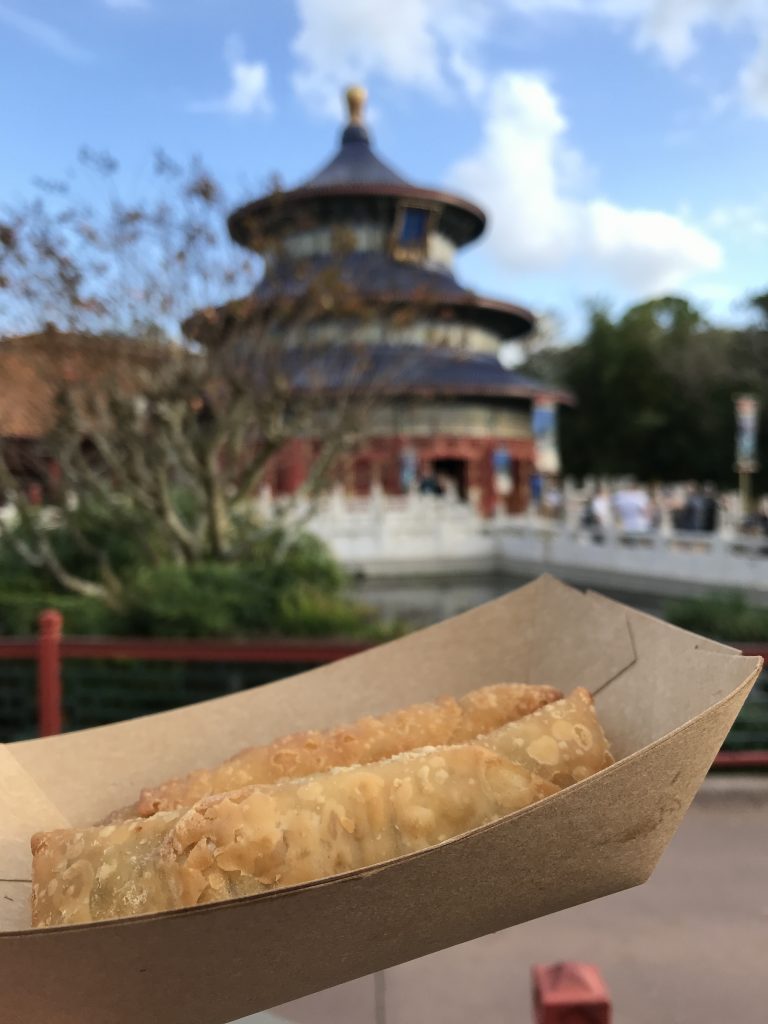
<point>409,469</point>
<point>747,415</point>
<point>544,429</point>
<point>503,480</point>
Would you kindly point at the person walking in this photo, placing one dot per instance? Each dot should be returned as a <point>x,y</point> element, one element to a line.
<point>632,507</point>
<point>597,516</point>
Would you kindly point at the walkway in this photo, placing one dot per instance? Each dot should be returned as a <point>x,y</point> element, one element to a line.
<point>688,947</point>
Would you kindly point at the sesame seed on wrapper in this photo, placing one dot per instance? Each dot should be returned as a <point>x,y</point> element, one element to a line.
<point>264,837</point>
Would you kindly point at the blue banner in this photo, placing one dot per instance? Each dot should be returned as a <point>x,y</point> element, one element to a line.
<point>502,461</point>
<point>747,416</point>
<point>544,430</point>
<point>409,468</point>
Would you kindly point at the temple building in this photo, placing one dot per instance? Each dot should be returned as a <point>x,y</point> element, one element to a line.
<point>456,418</point>
<point>451,419</point>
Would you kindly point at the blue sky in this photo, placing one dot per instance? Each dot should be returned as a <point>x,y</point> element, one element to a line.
<point>618,146</point>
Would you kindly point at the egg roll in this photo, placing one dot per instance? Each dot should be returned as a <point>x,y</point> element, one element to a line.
<point>264,837</point>
<point>562,742</point>
<point>439,723</point>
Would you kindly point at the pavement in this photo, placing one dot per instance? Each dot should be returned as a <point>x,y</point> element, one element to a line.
<point>688,947</point>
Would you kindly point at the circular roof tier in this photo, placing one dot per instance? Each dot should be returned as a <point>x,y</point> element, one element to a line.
<point>355,172</point>
<point>396,372</point>
<point>370,278</point>
<point>438,372</point>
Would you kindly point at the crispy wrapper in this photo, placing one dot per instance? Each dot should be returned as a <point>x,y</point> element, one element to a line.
<point>264,837</point>
<point>442,722</point>
<point>562,742</point>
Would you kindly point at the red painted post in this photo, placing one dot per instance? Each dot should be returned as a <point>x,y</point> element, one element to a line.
<point>49,673</point>
<point>569,993</point>
<point>744,759</point>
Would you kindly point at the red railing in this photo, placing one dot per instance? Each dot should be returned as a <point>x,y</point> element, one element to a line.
<point>51,647</point>
<point>49,692</point>
<point>746,759</point>
<point>753,650</point>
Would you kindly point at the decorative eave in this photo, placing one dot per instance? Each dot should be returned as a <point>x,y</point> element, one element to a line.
<point>405,372</point>
<point>373,282</point>
<point>213,325</point>
<point>260,218</point>
<point>354,173</point>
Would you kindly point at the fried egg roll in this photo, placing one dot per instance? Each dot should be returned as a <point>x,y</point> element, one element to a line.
<point>442,722</point>
<point>562,742</point>
<point>265,837</point>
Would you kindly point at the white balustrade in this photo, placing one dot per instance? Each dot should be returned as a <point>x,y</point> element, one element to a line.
<point>418,534</point>
<point>415,534</point>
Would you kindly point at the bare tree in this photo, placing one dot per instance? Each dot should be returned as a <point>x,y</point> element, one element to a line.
<point>177,428</point>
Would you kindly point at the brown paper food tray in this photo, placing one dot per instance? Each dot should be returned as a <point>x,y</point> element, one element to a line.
<point>667,699</point>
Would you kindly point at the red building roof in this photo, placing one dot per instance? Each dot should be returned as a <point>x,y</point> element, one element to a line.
<point>33,369</point>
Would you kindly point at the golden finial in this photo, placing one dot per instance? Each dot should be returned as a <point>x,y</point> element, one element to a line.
<point>356,97</point>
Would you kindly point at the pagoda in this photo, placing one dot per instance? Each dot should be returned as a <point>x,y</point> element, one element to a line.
<point>458,421</point>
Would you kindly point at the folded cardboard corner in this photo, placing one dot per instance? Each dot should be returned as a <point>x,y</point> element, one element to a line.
<point>666,697</point>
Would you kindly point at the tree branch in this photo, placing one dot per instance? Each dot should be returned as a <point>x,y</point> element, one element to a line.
<point>45,557</point>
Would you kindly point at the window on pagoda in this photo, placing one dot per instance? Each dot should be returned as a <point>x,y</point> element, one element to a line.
<point>413,226</point>
<point>409,237</point>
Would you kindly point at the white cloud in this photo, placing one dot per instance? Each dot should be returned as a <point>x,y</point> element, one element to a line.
<point>671,28</point>
<point>538,224</point>
<point>754,79</point>
<point>44,34</point>
<point>433,44</point>
<point>647,250</point>
<point>741,219</point>
<point>249,89</point>
<point>428,44</point>
<point>469,74</point>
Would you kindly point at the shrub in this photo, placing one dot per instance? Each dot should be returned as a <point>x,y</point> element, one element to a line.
<point>275,586</point>
<point>725,616</point>
<point>306,610</point>
<point>240,601</point>
<point>19,611</point>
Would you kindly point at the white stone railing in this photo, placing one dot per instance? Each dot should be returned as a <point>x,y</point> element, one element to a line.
<point>389,534</point>
<point>419,534</point>
<point>722,560</point>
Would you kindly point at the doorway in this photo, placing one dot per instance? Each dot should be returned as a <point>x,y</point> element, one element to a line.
<point>455,471</point>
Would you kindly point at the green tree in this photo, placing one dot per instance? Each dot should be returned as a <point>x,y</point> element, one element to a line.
<point>655,388</point>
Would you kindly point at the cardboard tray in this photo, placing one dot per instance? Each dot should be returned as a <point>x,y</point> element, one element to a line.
<point>667,699</point>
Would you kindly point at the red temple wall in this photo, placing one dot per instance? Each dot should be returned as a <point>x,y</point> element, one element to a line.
<point>379,461</point>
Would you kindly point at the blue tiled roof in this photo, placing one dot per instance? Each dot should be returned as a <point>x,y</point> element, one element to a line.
<point>354,171</point>
<point>355,164</point>
<point>376,275</point>
<point>369,273</point>
<point>451,371</point>
<point>402,370</point>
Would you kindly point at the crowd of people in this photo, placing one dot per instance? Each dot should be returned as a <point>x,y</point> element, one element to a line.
<point>634,509</point>
<point>695,507</point>
<point>629,508</point>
